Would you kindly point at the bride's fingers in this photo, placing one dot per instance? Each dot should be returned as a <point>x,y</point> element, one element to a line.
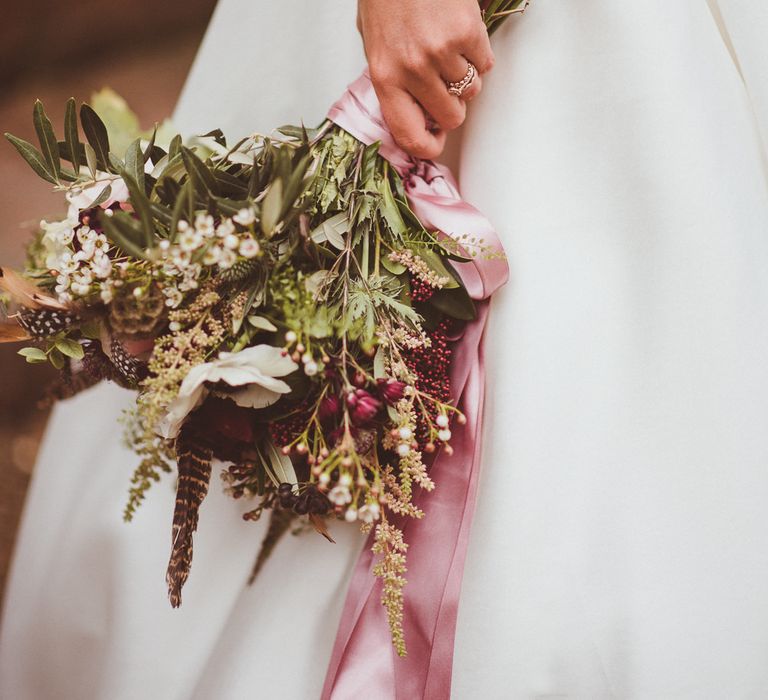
<point>477,48</point>
<point>473,89</point>
<point>408,124</point>
<point>447,110</point>
<point>455,69</point>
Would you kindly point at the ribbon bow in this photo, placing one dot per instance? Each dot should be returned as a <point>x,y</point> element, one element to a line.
<point>363,662</point>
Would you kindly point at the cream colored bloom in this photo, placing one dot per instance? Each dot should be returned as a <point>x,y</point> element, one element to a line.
<point>254,370</point>
<point>369,512</point>
<point>81,198</point>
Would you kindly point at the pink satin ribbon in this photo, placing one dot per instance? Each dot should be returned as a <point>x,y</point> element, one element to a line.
<point>363,662</point>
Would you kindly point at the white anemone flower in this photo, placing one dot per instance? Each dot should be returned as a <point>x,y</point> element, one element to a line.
<point>254,370</point>
<point>83,197</point>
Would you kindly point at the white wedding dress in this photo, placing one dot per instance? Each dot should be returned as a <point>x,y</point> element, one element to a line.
<point>620,547</point>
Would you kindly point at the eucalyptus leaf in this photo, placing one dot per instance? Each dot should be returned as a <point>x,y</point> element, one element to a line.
<point>296,183</point>
<point>282,469</point>
<point>103,196</point>
<point>141,207</point>
<point>271,207</point>
<point>455,303</point>
<point>33,157</point>
<point>96,133</point>
<point>90,159</point>
<point>332,230</point>
<point>71,135</point>
<point>149,150</point>
<point>123,234</point>
<point>263,324</point>
<point>161,213</point>
<point>378,364</point>
<point>174,148</point>
<point>183,210</point>
<point>199,173</point>
<point>134,162</point>
<point>391,212</point>
<point>49,146</point>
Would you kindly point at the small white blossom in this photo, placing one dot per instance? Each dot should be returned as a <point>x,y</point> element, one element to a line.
<point>173,297</point>
<point>442,421</point>
<point>231,241</point>
<point>350,515</point>
<point>444,435</point>
<point>204,225</point>
<point>102,266</point>
<point>369,512</point>
<point>311,368</point>
<point>339,496</point>
<point>180,258</point>
<point>84,233</point>
<point>225,228</point>
<point>249,248</point>
<point>84,276</point>
<point>403,449</point>
<point>227,259</point>
<point>190,240</point>
<point>245,217</point>
<point>61,232</point>
<point>212,255</point>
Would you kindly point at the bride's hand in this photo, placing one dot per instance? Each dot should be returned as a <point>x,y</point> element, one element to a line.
<point>413,48</point>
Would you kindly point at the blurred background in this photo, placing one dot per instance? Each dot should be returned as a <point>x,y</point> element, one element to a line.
<point>53,51</point>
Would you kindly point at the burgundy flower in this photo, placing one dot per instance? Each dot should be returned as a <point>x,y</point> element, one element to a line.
<point>391,390</point>
<point>364,407</point>
<point>329,409</point>
<point>226,420</point>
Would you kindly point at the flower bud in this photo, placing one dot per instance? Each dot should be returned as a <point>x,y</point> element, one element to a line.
<point>329,408</point>
<point>364,406</point>
<point>391,390</point>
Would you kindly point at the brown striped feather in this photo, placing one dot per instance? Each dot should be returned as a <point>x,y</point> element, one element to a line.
<point>26,293</point>
<point>194,463</point>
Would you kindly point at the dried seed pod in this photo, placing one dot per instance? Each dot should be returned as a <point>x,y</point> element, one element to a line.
<point>143,315</point>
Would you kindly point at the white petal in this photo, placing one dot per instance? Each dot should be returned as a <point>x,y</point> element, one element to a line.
<point>254,396</point>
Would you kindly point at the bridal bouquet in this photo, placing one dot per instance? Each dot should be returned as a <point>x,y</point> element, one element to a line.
<point>279,308</point>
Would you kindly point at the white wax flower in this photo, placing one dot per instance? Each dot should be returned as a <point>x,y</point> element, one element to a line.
<point>254,369</point>
<point>369,512</point>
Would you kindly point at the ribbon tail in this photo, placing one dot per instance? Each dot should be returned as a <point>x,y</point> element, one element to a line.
<point>363,661</point>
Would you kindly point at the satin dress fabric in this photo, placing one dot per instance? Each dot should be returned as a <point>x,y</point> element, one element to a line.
<point>618,548</point>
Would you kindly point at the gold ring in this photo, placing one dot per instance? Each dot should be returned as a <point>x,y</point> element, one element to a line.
<point>459,87</point>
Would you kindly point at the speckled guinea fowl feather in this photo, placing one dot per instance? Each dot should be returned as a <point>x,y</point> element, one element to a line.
<point>194,460</point>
